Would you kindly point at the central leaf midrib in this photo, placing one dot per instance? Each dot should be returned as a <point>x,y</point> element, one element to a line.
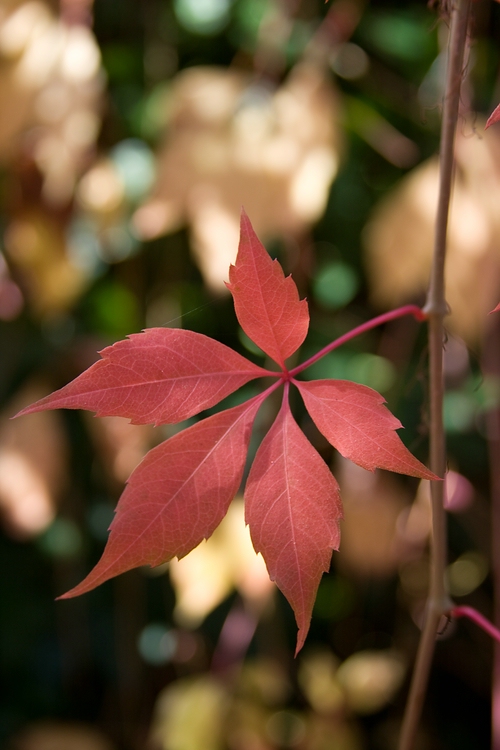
<point>263,301</point>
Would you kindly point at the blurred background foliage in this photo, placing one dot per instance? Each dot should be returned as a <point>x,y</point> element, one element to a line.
<point>131,134</point>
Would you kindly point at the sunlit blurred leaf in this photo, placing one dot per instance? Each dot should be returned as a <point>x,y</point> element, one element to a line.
<point>235,142</point>
<point>33,471</point>
<point>466,573</point>
<point>190,715</point>
<point>399,238</point>
<point>51,83</point>
<point>318,680</point>
<point>211,571</point>
<point>370,679</point>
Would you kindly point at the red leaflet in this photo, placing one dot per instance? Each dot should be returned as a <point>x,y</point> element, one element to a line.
<point>355,421</point>
<point>178,495</point>
<point>267,304</point>
<point>293,509</point>
<point>180,492</point>
<point>497,308</point>
<point>160,376</point>
<point>494,117</point>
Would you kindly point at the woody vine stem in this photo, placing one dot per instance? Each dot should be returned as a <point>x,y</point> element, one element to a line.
<point>438,603</point>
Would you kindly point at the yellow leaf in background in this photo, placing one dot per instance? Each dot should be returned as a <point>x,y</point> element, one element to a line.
<point>318,680</point>
<point>370,679</point>
<point>190,715</point>
<point>35,245</point>
<point>227,560</point>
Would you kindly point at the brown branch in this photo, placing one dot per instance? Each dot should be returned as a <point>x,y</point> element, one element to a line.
<point>491,369</point>
<point>438,603</point>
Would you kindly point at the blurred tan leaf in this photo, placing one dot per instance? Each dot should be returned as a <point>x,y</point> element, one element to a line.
<point>234,142</point>
<point>318,680</point>
<point>58,736</point>
<point>399,238</point>
<point>35,245</point>
<point>101,191</point>
<point>374,503</point>
<point>370,679</point>
<point>121,444</point>
<point>33,471</point>
<point>51,87</point>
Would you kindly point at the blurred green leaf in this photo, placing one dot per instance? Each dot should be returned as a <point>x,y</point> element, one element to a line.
<point>205,17</point>
<point>335,285</point>
<point>112,310</point>
<point>404,34</point>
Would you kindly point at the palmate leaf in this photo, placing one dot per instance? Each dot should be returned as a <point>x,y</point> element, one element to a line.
<point>181,490</point>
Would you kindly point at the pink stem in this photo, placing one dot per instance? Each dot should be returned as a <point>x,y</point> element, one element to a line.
<point>286,391</point>
<point>478,618</point>
<point>417,313</point>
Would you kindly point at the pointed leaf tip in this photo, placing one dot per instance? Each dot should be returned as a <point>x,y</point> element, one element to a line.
<point>493,118</point>
<point>177,496</point>
<point>293,510</point>
<point>355,420</point>
<point>266,302</point>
